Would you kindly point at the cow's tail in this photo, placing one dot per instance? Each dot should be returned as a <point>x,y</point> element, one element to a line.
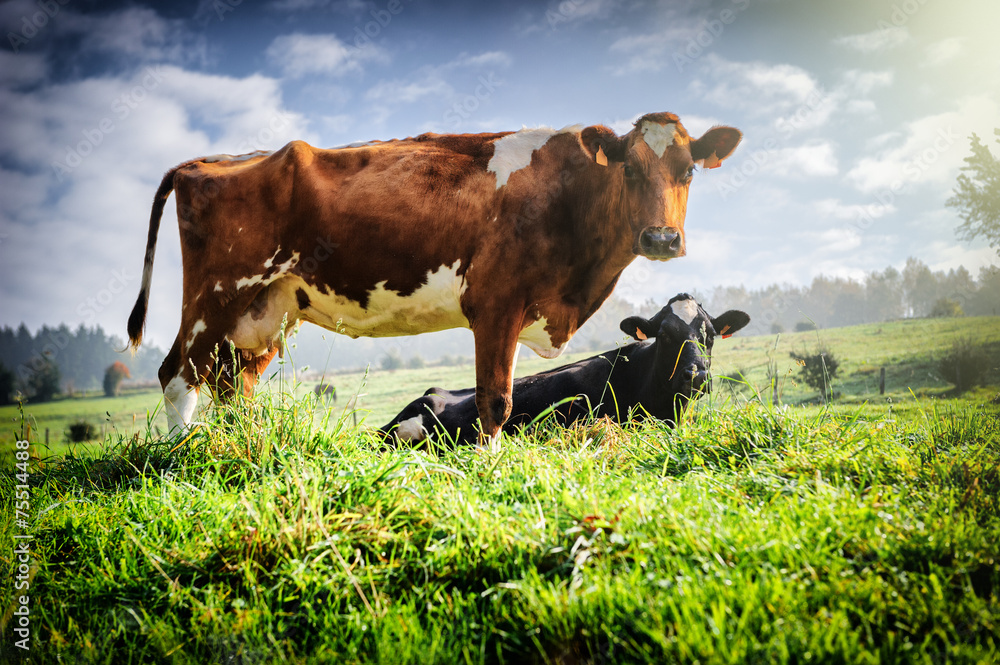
<point>137,320</point>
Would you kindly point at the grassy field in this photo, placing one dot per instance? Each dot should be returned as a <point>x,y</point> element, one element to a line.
<point>908,350</point>
<point>863,532</point>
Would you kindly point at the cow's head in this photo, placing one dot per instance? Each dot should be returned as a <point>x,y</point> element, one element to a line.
<point>652,167</point>
<point>684,334</point>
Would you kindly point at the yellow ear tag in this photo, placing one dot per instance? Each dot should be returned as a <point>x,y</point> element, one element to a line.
<point>639,335</point>
<point>602,159</point>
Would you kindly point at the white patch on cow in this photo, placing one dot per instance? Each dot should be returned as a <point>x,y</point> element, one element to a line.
<point>179,402</point>
<point>685,310</point>
<point>436,305</point>
<point>659,137</point>
<point>411,430</point>
<point>513,152</point>
<point>537,339</point>
<point>260,279</point>
<point>270,261</point>
<point>218,285</point>
<point>196,329</point>
<point>236,158</point>
<point>249,281</point>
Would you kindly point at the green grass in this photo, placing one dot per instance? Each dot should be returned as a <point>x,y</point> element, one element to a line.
<point>908,349</point>
<point>751,533</point>
<point>861,532</point>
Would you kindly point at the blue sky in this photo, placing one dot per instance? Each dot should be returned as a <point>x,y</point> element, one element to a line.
<point>856,117</point>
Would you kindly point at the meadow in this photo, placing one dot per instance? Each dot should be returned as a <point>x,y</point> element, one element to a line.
<point>863,531</point>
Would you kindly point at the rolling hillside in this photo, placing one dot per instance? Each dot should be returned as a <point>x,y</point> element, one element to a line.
<point>908,350</point>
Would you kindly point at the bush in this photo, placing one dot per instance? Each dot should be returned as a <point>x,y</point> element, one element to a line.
<point>416,362</point>
<point>113,377</point>
<point>81,431</point>
<point>805,326</point>
<point>965,366</point>
<point>818,370</point>
<point>946,307</point>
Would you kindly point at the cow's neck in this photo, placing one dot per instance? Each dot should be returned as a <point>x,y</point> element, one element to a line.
<point>602,234</point>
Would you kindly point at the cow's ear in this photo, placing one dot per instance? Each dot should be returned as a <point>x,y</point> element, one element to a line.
<point>638,327</point>
<point>715,145</point>
<point>730,322</point>
<point>602,145</point>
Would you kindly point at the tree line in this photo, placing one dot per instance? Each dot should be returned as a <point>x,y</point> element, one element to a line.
<point>63,360</point>
<point>830,302</point>
<point>72,360</point>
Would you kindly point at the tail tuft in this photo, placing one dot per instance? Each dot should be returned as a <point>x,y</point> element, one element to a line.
<point>137,320</point>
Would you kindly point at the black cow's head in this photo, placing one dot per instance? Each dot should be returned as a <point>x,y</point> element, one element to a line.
<point>652,166</point>
<point>684,334</point>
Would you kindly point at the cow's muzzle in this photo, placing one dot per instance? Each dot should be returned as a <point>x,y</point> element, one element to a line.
<point>660,243</point>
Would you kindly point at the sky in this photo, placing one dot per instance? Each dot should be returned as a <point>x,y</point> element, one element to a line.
<point>856,117</point>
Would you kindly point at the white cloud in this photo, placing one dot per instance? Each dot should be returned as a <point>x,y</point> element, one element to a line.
<point>299,55</point>
<point>459,84</point>
<point>928,150</point>
<point>943,52</point>
<point>815,159</point>
<point>882,39</point>
<point>756,87</point>
<point>863,82</point>
<point>653,52</point>
<point>114,137</point>
<point>835,209</point>
<point>135,34</point>
<point>406,91</point>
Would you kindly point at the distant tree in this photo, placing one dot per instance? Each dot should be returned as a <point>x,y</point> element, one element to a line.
<point>777,328</point>
<point>920,287</point>
<point>113,377</point>
<point>817,370</point>
<point>884,295</point>
<point>416,362</point>
<point>392,360</point>
<point>977,195</point>
<point>805,326</point>
<point>7,382</point>
<point>946,307</point>
<point>447,360</point>
<point>42,381</point>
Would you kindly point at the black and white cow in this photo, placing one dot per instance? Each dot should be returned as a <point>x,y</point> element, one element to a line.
<point>655,376</point>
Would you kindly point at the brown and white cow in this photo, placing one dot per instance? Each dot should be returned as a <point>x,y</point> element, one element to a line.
<point>519,236</point>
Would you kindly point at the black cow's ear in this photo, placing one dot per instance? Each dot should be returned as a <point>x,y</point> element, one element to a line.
<point>603,145</point>
<point>638,327</point>
<point>715,145</point>
<point>730,322</point>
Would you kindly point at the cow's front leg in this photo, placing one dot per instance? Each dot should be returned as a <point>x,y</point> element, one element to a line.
<point>496,346</point>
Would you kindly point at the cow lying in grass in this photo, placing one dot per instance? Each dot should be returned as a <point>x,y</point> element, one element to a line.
<point>646,378</point>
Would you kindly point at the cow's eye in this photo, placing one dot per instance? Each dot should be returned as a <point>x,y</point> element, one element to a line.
<point>690,172</point>
<point>629,171</point>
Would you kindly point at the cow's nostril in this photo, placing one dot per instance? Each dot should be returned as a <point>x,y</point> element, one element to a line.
<point>698,378</point>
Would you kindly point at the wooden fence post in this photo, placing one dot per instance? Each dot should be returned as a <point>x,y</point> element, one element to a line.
<point>881,381</point>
